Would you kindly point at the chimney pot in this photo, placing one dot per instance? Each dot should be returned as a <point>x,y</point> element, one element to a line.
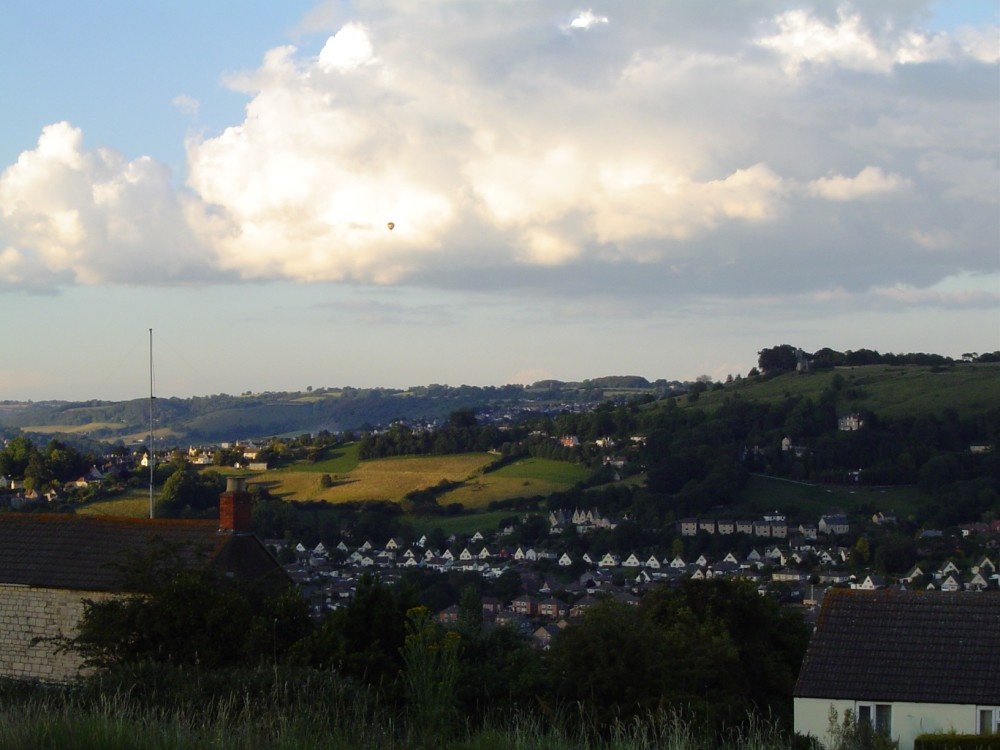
<point>234,507</point>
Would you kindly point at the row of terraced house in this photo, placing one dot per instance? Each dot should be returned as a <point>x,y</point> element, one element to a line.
<point>771,525</point>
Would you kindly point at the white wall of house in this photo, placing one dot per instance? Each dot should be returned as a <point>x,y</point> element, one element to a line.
<point>28,613</point>
<point>909,720</point>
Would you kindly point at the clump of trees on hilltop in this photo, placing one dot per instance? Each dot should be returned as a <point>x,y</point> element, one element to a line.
<point>787,358</point>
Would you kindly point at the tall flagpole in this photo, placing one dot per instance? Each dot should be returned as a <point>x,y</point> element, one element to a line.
<point>152,459</point>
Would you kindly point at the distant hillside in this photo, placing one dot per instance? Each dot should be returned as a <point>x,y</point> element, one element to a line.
<point>886,390</point>
<point>224,417</point>
<point>889,391</point>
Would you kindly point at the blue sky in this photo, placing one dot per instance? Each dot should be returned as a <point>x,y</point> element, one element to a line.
<point>576,190</point>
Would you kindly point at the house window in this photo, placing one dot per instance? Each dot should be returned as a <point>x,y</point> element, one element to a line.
<point>876,715</point>
<point>989,720</point>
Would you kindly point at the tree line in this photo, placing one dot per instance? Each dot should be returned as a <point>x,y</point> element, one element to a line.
<point>714,650</point>
<point>787,358</point>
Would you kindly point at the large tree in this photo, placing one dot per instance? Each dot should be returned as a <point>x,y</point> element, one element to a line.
<point>190,492</point>
<point>715,648</point>
<point>186,616</point>
<point>777,359</point>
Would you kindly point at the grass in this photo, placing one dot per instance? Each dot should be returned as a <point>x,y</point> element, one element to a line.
<point>811,500</point>
<point>392,478</point>
<point>383,479</point>
<point>71,429</point>
<point>544,470</point>
<point>525,478</point>
<point>286,719</point>
<point>465,524</point>
<point>889,391</point>
<point>133,504</point>
<point>119,722</point>
<point>337,461</point>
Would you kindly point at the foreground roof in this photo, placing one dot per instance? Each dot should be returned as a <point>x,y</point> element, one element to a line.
<point>923,647</point>
<point>87,553</point>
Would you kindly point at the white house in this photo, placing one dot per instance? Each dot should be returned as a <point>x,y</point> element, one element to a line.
<point>610,561</point>
<point>951,583</point>
<point>833,523</point>
<point>864,657</point>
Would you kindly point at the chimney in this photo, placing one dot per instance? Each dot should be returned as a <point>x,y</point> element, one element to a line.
<point>234,507</point>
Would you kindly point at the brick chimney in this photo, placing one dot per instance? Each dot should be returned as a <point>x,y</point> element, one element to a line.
<point>234,507</point>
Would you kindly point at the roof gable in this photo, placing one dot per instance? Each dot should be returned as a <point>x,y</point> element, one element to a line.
<point>91,553</point>
<point>924,647</point>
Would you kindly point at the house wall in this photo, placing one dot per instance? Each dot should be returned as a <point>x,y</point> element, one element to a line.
<point>28,613</point>
<point>909,720</point>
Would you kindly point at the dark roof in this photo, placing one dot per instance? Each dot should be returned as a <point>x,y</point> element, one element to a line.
<point>926,647</point>
<point>87,553</point>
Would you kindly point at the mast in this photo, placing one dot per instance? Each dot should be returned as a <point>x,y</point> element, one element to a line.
<point>152,459</point>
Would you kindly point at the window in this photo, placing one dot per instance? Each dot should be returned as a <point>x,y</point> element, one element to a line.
<point>876,715</point>
<point>989,720</point>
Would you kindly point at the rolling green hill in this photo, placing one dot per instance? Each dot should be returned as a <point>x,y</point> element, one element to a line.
<point>890,391</point>
<point>886,390</point>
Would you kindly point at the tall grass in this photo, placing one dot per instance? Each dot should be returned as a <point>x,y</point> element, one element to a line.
<point>265,708</point>
<point>286,718</point>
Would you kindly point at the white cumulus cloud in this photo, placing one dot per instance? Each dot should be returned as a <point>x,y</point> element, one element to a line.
<point>801,37</point>
<point>186,104</point>
<point>348,48</point>
<point>585,20</point>
<point>93,217</point>
<point>672,151</point>
<point>870,181</point>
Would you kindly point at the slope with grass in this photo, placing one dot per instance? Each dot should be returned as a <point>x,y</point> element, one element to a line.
<point>889,391</point>
<point>392,478</point>
<point>528,477</point>
<point>352,480</point>
<point>805,500</point>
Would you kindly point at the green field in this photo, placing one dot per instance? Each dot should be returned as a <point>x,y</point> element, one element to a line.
<point>134,503</point>
<point>525,478</point>
<point>383,479</point>
<point>466,524</point>
<point>809,501</point>
<point>70,429</point>
<point>391,479</point>
<point>889,391</point>
<point>338,461</point>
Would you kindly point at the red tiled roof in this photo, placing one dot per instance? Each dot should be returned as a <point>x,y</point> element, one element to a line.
<point>87,553</point>
<point>923,647</point>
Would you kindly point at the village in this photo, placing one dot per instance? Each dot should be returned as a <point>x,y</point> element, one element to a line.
<point>795,565</point>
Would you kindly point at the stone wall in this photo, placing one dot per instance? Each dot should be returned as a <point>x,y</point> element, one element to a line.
<point>28,613</point>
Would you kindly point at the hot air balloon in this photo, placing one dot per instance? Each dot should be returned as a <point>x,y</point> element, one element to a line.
<point>390,225</point>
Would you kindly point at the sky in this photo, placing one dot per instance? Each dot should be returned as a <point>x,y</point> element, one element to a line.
<point>396,193</point>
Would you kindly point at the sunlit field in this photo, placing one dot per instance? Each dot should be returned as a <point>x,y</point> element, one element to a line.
<point>70,429</point>
<point>384,479</point>
<point>336,461</point>
<point>134,503</point>
<point>525,478</point>
<point>387,479</point>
